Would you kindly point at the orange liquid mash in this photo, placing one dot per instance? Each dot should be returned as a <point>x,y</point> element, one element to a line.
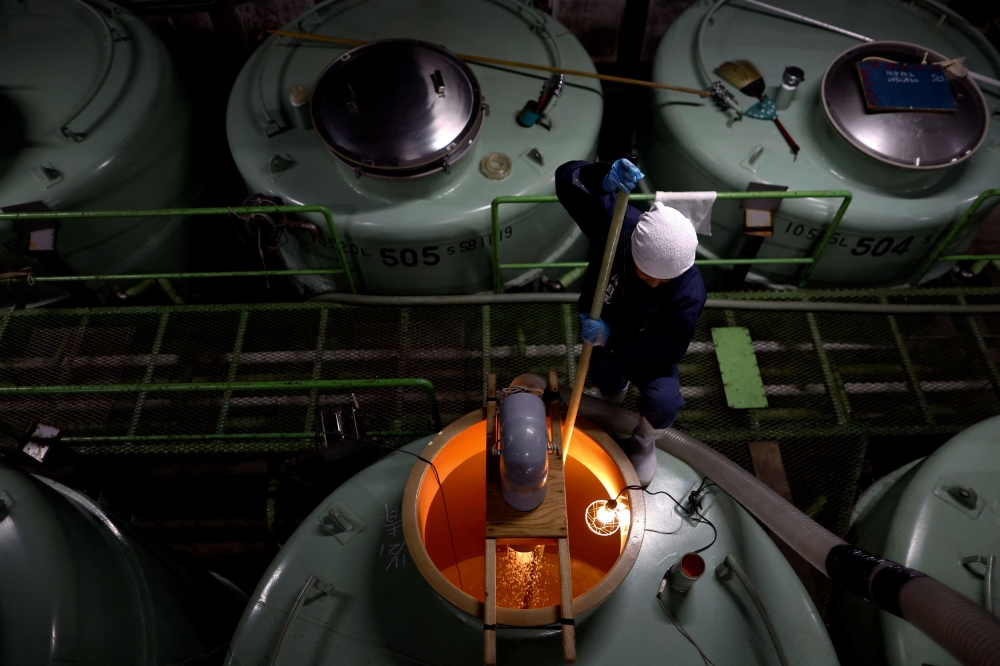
<point>527,573</point>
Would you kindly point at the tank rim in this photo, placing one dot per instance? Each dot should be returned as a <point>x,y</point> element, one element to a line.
<point>865,150</point>
<point>509,616</point>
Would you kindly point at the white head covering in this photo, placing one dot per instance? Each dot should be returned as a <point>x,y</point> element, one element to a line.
<point>664,243</point>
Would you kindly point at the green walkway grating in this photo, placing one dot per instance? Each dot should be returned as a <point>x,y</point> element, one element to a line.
<point>831,379</point>
<point>738,367</point>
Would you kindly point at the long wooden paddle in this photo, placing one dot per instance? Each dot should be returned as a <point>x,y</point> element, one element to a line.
<point>596,306</point>
<point>504,63</point>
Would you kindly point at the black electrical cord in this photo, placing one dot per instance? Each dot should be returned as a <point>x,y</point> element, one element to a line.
<point>437,477</point>
<point>708,662</point>
<point>694,501</point>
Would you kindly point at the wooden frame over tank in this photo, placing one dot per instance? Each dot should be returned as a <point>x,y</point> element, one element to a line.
<point>508,616</point>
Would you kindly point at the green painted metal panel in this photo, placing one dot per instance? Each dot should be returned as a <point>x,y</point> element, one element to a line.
<point>738,364</point>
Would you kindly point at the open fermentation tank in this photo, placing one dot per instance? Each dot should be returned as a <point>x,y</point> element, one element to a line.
<point>392,137</point>
<point>78,587</point>
<point>92,117</point>
<point>902,203</point>
<point>372,575</point>
<point>939,515</point>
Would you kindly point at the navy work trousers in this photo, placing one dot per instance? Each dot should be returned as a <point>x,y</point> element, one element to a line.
<point>659,399</point>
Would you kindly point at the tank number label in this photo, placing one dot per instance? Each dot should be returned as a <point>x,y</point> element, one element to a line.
<point>866,245</point>
<point>430,255</point>
<point>349,248</point>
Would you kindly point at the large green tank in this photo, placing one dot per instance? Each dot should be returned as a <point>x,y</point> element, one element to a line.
<point>92,118</point>
<point>399,155</point>
<point>901,204</point>
<point>79,587</point>
<point>369,576</point>
<point>940,516</point>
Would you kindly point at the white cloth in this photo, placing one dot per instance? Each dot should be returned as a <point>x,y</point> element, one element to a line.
<point>695,206</point>
<point>664,243</point>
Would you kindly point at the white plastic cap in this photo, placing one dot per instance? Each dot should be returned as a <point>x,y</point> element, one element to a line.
<point>664,243</point>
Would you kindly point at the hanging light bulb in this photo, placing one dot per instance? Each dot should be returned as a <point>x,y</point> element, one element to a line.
<point>602,517</point>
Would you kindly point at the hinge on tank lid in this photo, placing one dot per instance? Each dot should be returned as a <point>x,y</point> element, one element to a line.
<point>46,174</point>
<point>279,163</point>
<point>438,80</point>
<point>70,134</point>
<point>272,128</point>
<point>486,108</point>
<point>964,495</point>
<point>445,165</point>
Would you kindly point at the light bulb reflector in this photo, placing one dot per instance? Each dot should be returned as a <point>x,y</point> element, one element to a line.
<point>601,519</point>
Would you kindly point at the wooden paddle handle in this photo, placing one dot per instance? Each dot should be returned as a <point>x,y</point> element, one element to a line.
<point>596,306</point>
<point>507,63</point>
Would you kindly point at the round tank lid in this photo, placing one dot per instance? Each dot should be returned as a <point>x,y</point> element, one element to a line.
<point>908,139</point>
<point>398,108</point>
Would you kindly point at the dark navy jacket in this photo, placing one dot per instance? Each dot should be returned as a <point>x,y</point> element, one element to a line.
<point>651,328</point>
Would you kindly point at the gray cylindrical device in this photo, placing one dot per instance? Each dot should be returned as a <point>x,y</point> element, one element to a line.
<point>686,571</point>
<point>790,80</point>
<point>524,441</point>
<point>298,96</point>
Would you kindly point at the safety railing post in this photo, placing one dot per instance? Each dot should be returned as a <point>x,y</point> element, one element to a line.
<point>824,242</point>
<point>174,212</point>
<point>935,254</point>
<point>808,262</point>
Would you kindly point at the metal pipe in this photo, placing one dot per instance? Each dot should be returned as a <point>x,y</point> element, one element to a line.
<point>808,21</point>
<point>715,303</point>
<point>181,276</point>
<point>935,255</point>
<point>169,290</point>
<point>327,384</point>
<point>136,289</point>
<point>809,262</point>
<point>730,564</point>
<point>101,80</point>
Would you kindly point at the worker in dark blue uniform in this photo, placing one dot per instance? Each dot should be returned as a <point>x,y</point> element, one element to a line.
<point>654,297</point>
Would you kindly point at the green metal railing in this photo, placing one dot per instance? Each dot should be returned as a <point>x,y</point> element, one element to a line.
<point>228,387</point>
<point>937,254</point>
<point>173,212</point>
<point>809,263</point>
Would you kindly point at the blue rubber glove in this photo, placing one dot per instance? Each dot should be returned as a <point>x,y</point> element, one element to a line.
<point>623,176</point>
<point>594,331</point>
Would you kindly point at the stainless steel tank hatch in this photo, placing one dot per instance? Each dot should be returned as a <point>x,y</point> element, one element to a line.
<point>911,140</point>
<point>398,108</point>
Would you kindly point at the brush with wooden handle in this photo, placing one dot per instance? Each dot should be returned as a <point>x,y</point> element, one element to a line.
<point>744,75</point>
